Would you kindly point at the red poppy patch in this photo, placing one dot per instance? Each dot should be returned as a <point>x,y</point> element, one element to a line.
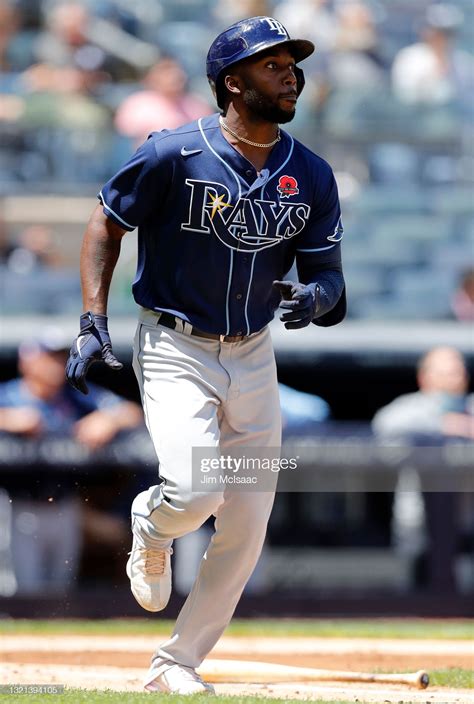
<point>287,186</point>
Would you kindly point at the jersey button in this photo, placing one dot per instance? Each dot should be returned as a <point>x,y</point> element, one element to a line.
<point>238,297</point>
<point>239,332</point>
<point>249,172</point>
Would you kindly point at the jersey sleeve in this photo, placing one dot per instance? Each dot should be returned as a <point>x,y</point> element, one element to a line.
<point>129,196</point>
<point>318,251</point>
<point>319,243</point>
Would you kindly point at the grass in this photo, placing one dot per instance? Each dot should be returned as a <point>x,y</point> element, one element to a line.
<point>369,628</point>
<point>344,628</point>
<point>453,677</point>
<point>81,696</point>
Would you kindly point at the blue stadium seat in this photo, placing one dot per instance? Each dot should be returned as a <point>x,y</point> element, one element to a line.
<point>423,293</point>
<point>364,281</point>
<point>458,200</point>
<point>401,308</point>
<point>386,252</point>
<point>455,256</point>
<point>188,42</point>
<point>393,163</point>
<point>42,291</point>
<point>187,10</point>
<point>414,228</point>
<point>375,200</point>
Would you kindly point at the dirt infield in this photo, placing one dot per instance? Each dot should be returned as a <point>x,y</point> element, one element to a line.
<point>119,663</point>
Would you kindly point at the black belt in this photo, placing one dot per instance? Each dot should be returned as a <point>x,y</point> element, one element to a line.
<point>173,322</point>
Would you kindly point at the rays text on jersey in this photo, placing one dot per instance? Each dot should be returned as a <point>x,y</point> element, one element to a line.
<point>248,225</point>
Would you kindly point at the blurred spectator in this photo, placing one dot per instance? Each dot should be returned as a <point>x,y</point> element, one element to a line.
<point>9,23</point>
<point>309,18</point>
<point>74,36</point>
<point>165,103</point>
<point>63,124</point>
<point>226,13</point>
<point>462,302</point>
<point>47,521</point>
<point>357,59</point>
<point>16,42</point>
<point>442,404</point>
<point>41,401</point>
<point>434,71</point>
<point>441,408</point>
<point>34,277</point>
<point>64,41</point>
<point>63,97</point>
<point>34,249</point>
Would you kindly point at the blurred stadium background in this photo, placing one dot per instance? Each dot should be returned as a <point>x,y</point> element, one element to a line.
<point>81,84</point>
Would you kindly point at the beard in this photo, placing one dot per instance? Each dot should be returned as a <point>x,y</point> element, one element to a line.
<point>267,109</point>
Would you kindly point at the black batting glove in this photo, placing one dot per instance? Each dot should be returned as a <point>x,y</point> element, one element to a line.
<point>91,345</point>
<point>302,301</point>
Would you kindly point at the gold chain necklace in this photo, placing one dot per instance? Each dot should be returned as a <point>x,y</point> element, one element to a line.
<point>247,141</point>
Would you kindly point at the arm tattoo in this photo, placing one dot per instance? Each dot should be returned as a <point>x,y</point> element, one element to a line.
<point>99,255</point>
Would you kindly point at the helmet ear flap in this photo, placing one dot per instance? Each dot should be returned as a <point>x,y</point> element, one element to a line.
<point>299,79</point>
<point>219,91</point>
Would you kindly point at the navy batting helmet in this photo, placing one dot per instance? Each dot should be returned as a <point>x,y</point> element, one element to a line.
<point>246,38</point>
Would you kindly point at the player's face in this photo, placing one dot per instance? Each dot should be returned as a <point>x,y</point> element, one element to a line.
<point>269,85</point>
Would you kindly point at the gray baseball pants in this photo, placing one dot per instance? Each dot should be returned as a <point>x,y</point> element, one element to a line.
<point>203,393</point>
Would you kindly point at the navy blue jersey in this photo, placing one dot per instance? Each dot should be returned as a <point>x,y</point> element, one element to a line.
<point>212,233</point>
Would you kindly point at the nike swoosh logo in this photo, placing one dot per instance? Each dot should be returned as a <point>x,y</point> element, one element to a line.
<point>189,152</point>
<point>80,343</point>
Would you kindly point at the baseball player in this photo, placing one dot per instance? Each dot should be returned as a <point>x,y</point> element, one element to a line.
<point>223,207</point>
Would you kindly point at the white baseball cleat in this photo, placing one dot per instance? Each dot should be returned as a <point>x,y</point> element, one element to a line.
<point>177,679</point>
<point>149,571</point>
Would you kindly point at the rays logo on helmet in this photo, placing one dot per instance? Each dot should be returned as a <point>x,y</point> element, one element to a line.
<point>276,26</point>
<point>287,186</point>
